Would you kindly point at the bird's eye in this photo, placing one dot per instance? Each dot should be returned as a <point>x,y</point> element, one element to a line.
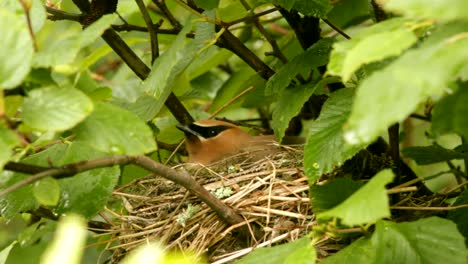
<point>213,132</point>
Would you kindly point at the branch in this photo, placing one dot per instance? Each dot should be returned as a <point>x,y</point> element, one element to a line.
<point>161,4</point>
<point>226,213</point>
<point>151,30</point>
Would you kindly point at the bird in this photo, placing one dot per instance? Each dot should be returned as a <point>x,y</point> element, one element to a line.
<point>208,141</point>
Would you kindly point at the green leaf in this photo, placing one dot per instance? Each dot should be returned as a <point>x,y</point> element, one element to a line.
<point>315,56</point>
<point>450,113</point>
<point>385,39</point>
<point>384,97</point>
<point>290,103</point>
<point>175,60</point>
<point>8,140</point>
<point>85,193</point>
<point>430,240</point>
<point>112,129</point>
<point>299,251</point>
<point>59,50</point>
<point>47,191</point>
<point>331,194</point>
<point>432,154</point>
<point>55,109</point>
<point>325,148</point>
<point>349,12</point>
<point>360,251</point>
<point>230,10</point>
<point>459,216</point>
<point>17,49</point>
<point>367,205</point>
<point>444,11</point>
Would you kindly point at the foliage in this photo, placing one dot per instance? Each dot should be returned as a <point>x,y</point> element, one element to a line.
<point>67,97</point>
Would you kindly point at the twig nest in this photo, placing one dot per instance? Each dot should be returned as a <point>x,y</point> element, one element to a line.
<point>271,193</point>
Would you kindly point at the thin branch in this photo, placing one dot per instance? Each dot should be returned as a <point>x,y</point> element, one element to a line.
<point>161,4</point>
<point>276,50</point>
<point>226,213</point>
<point>27,9</point>
<point>56,14</point>
<point>228,103</point>
<point>421,117</point>
<point>394,142</point>
<point>250,17</point>
<point>341,32</point>
<point>24,168</point>
<point>436,208</point>
<point>151,30</point>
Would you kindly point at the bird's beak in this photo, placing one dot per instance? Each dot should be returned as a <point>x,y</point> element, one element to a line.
<point>187,130</point>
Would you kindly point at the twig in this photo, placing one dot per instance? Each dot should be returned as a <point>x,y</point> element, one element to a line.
<point>226,213</point>
<point>341,32</point>
<point>27,9</point>
<point>228,103</point>
<point>421,117</point>
<point>56,14</point>
<point>394,142</point>
<point>161,4</point>
<point>151,30</point>
<point>440,208</point>
<point>401,190</point>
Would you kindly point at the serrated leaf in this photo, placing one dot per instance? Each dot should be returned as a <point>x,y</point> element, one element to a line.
<point>432,154</point>
<point>367,205</point>
<point>114,130</point>
<point>63,50</point>
<point>326,148</point>
<point>85,193</point>
<point>299,251</point>
<point>17,50</point>
<point>290,102</point>
<point>55,109</point>
<point>392,38</point>
<point>450,114</point>
<point>459,216</point>
<point>447,10</point>
<point>430,240</point>
<point>384,98</point>
<point>175,60</point>
<point>47,191</point>
<point>8,140</point>
<point>331,194</point>
<point>315,56</point>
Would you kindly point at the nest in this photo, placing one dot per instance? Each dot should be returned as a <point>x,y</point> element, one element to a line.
<point>270,194</point>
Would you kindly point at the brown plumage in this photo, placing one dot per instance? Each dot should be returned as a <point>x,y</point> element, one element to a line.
<point>208,141</point>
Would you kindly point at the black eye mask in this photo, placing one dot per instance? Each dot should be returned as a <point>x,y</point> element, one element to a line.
<point>208,132</point>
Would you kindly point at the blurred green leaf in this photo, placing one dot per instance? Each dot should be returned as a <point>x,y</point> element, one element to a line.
<point>299,251</point>
<point>360,251</point>
<point>367,205</point>
<point>447,10</point>
<point>349,12</point>
<point>63,50</point>
<point>388,38</point>
<point>114,130</point>
<point>230,10</point>
<point>316,55</point>
<point>449,115</point>
<point>429,240</point>
<point>47,191</point>
<point>424,155</point>
<point>17,49</point>
<point>332,193</point>
<point>8,140</point>
<point>68,243</point>
<point>326,148</point>
<point>55,109</point>
<point>459,216</point>
<point>384,97</point>
<point>207,4</point>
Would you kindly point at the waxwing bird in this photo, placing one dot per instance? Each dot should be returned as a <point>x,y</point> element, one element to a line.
<point>208,141</point>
